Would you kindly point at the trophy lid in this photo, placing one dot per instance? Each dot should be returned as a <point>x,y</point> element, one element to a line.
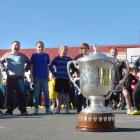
<point>97,55</point>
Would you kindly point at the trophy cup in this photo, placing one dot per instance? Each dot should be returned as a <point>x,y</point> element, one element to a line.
<point>95,83</point>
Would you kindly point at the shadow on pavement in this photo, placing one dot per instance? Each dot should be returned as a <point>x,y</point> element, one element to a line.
<point>19,116</point>
<point>40,115</point>
<point>127,129</point>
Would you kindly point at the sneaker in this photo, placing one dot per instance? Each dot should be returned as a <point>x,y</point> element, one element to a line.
<point>79,109</point>
<point>114,107</point>
<point>8,113</point>
<point>121,106</point>
<point>129,111</point>
<point>24,113</point>
<point>36,111</point>
<point>1,113</point>
<point>48,111</point>
<point>109,108</point>
<point>57,111</point>
<point>135,112</point>
<point>67,111</point>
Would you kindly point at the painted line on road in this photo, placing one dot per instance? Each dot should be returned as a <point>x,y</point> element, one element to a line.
<point>128,121</point>
<point>2,126</point>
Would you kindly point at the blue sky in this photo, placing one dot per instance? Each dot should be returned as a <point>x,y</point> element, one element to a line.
<point>70,22</point>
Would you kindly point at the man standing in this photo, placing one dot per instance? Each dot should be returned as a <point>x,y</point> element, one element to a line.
<point>80,99</point>
<point>40,67</point>
<point>58,68</point>
<point>15,64</point>
<point>117,78</point>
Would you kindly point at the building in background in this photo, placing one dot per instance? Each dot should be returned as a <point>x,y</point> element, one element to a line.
<point>74,50</point>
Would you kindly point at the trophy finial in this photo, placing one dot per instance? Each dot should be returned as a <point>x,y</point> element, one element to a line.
<point>95,48</point>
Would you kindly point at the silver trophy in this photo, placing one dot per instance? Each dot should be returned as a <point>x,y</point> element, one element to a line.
<point>95,83</point>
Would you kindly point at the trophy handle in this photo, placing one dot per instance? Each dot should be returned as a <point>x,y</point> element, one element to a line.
<point>68,70</point>
<point>108,95</point>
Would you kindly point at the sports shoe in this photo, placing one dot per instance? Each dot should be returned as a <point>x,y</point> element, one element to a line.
<point>36,111</point>
<point>57,111</point>
<point>109,108</point>
<point>114,107</point>
<point>67,111</point>
<point>24,113</point>
<point>1,113</point>
<point>48,111</point>
<point>121,106</point>
<point>129,111</point>
<point>135,112</point>
<point>8,112</point>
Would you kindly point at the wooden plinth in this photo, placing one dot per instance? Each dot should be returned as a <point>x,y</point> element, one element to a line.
<point>96,122</point>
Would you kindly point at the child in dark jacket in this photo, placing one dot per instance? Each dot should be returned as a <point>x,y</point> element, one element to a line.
<point>130,83</point>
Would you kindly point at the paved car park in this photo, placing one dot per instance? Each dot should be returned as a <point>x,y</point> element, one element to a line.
<point>62,127</point>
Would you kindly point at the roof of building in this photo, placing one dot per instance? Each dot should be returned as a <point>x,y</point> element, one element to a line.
<point>73,51</point>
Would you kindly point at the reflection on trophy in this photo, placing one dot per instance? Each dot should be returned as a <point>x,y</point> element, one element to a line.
<point>95,82</point>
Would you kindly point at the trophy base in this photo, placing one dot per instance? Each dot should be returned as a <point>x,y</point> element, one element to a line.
<point>96,122</point>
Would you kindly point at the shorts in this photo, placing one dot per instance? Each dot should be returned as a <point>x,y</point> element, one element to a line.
<point>62,85</point>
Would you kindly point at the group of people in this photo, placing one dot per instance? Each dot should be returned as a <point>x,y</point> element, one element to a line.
<point>125,84</point>
<point>15,64</point>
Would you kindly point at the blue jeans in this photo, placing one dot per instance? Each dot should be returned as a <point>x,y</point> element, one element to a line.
<point>41,84</point>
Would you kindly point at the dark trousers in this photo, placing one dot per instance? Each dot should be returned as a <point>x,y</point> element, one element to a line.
<point>136,96</point>
<point>1,95</point>
<point>81,101</point>
<point>15,85</point>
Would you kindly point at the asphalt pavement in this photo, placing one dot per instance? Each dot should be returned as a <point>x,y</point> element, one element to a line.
<point>62,127</point>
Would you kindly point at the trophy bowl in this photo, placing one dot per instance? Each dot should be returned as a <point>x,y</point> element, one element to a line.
<point>95,83</point>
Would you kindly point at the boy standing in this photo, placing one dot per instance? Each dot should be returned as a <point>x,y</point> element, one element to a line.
<point>15,64</point>
<point>40,67</point>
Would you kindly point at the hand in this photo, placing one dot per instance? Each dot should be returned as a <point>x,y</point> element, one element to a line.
<point>121,82</point>
<point>4,81</point>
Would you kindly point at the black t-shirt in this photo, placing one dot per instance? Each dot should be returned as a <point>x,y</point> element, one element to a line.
<point>137,64</point>
<point>78,56</point>
<point>117,71</point>
<point>130,79</point>
<point>73,68</point>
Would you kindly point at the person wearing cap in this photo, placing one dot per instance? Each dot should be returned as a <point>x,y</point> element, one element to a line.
<point>80,99</point>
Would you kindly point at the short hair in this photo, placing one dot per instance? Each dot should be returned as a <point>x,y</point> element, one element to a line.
<point>134,69</point>
<point>61,48</point>
<point>84,45</point>
<point>15,41</point>
<point>115,49</point>
<point>39,42</point>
